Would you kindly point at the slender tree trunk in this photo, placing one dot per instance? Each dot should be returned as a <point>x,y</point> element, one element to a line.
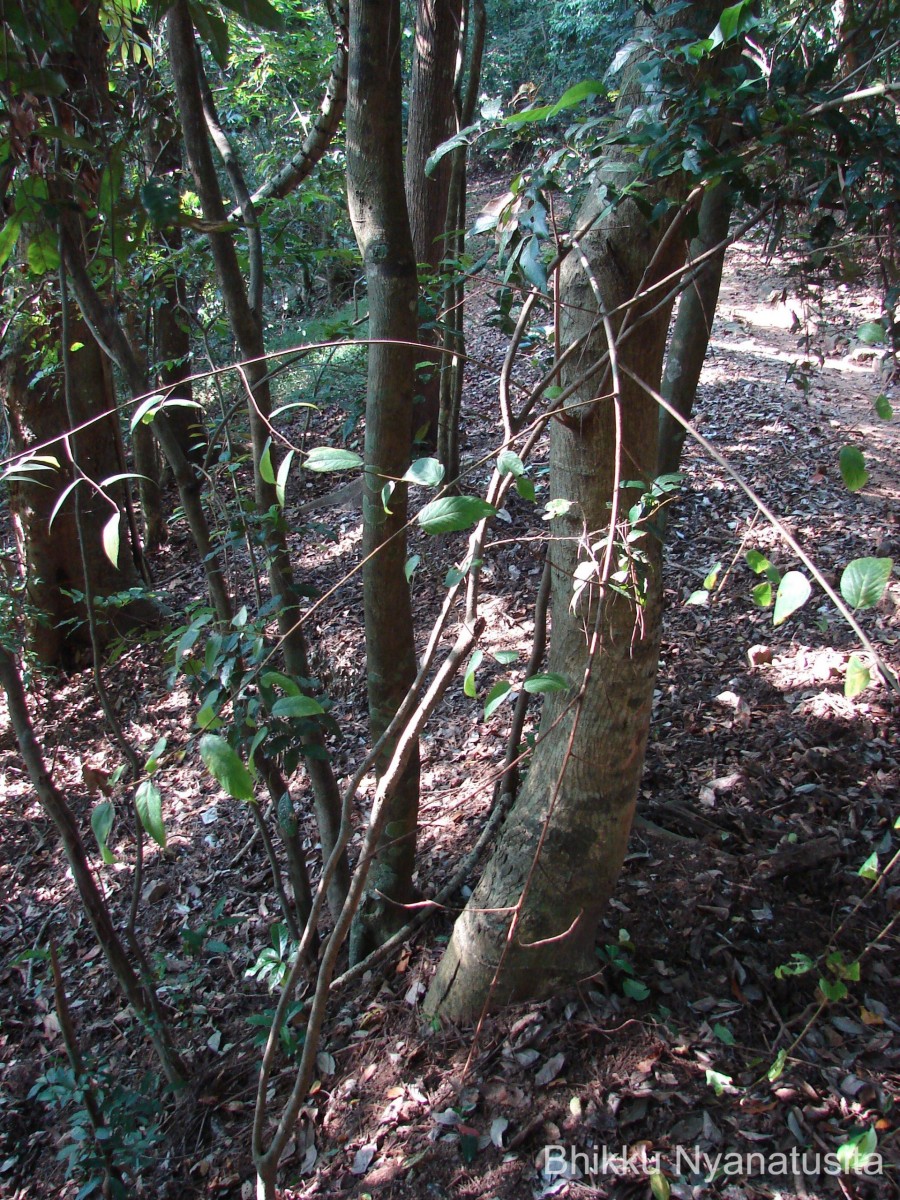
<point>381,224</point>
<point>431,121</point>
<point>245,318</point>
<point>693,326</point>
<point>529,927</point>
<point>54,804</point>
<point>453,336</point>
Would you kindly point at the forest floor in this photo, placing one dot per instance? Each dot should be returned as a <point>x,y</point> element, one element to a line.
<point>765,792</point>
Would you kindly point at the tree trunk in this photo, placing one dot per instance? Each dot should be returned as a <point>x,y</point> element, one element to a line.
<point>453,336</point>
<point>530,925</point>
<point>246,324</point>
<point>381,224</point>
<point>693,326</point>
<point>431,121</point>
<point>37,414</point>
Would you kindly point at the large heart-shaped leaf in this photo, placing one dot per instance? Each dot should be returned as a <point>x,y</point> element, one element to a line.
<point>864,580</point>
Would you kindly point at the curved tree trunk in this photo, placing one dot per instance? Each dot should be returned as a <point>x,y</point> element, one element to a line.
<point>381,224</point>
<point>693,326</point>
<point>530,925</point>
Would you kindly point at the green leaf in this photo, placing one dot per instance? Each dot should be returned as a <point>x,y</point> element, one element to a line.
<point>256,12</point>
<point>557,508</point>
<point>525,488</point>
<point>757,562</point>
<point>800,964</point>
<point>496,696</point>
<point>660,1188</point>
<point>425,472</point>
<point>111,539</point>
<point>463,138</point>
<point>410,566</point>
<point>717,1081</point>
<point>468,1145</point>
<point>733,21</point>
<point>152,763</point>
<point>148,802</point>
<point>43,253</point>
<point>574,95</point>
<point>853,468</point>
<point>762,595</point>
<point>208,718</point>
<point>634,989</point>
<point>297,706</point>
<point>265,463</point>
<point>857,678</point>
<point>282,477</point>
<point>102,820</point>
<point>505,657</point>
<point>550,682</point>
<point>723,1033</point>
<point>9,235</point>
<point>869,869</point>
<point>700,597</point>
<point>454,513</point>
<point>509,463</point>
<point>854,1154</point>
<point>774,1072</point>
<point>331,458</point>
<point>469,680</point>
<point>864,581</point>
<point>225,766</point>
<point>871,333</point>
<point>832,989</point>
<point>712,577</point>
<point>793,593</point>
<point>881,404</point>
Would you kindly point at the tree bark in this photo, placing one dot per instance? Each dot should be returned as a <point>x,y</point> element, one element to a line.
<point>529,927</point>
<point>693,326</point>
<point>381,224</point>
<point>57,623</point>
<point>246,325</point>
<point>431,121</point>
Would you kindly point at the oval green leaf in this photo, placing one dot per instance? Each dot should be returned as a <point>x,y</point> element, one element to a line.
<point>102,820</point>
<point>496,696</point>
<point>225,766</point>
<point>853,468</point>
<point>297,706</point>
<point>425,472</point>
<point>793,593</point>
<point>550,682</point>
<point>454,513</point>
<point>332,458</point>
<point>148,802</point>
<point>469,681</point>
<point>864,580</point>
<point>857,678</point>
